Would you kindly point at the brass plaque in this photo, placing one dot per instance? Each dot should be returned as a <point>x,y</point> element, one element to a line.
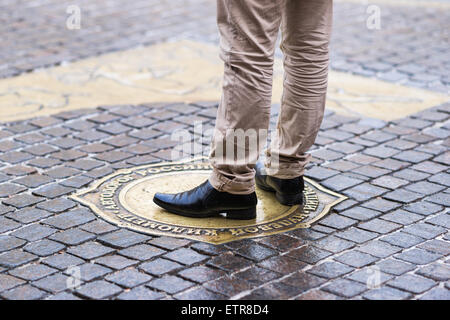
<point>125,198</point>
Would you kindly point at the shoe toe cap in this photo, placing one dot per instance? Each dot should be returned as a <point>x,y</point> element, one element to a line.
<point>159,198</point>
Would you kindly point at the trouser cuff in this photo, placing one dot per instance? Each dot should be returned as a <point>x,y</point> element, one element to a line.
<point>224,184</point>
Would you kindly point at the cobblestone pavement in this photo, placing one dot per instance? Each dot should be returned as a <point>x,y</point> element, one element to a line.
<point>394,226</point>
<point>411,47</point>
<point>395,175</point>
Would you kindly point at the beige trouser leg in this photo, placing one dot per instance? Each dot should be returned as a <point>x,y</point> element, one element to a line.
<point>248,31</point>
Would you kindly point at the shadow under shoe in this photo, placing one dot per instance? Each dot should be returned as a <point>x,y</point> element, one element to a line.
<point>288,192</point>
<point>204,201</point>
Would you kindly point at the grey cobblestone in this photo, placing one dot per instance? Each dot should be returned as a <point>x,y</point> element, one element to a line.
<point>412,283</point>
<point>99,289</point>
<point>43,248</point>
<point>394,219</point>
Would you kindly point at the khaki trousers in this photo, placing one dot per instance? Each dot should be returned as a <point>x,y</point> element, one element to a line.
<point>248,33</point>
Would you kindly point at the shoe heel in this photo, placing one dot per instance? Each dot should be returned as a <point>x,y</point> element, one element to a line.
<point>290,199</point>
<point>242,214</point>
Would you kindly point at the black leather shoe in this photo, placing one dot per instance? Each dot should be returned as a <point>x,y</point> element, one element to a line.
<point>288,192</point>
<point>205,201</point>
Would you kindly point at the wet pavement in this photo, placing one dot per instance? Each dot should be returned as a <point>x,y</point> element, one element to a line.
<point>388,240</point>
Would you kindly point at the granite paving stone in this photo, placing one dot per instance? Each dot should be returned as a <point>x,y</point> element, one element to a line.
<point>440,198</point>
<point>309,254</point>
<point>365,191</point>
<point>32,272</point>
<point>169,243</point>
<point>142,252</point>
<point>361,214</point>
<point>441,178</point>
<point>318,294</point>
<point>417,256</point>
<point>436,294</point>
<point>371,276</point>
<point>9,242</point>
<point>386,293</point>
<point>96,226</point>
<point>57,205</point>
<point>340,183</point>
<point>52,191</point>
<point>28,215</point>
<point>435,271</point>
<point>170,284</point>
<point>61,172</point>
<point>203,274</point>
<point>380,226</point>
<point>116,262</point>
<point>302,281</point>
<point>356,259</point>
<point>22,200</point>
<point>69,219</point>
<point>19,170</point>
<point>9,189</point>
<point>8,224</point>
<point>412,283</point>
<point>356,235</point>
<point>256,275</point>
<point>54,283</point>
<point>5,209</point>
<point>429,167</point>
<point>424,230</point>
<point>122,238</point>
<point>90,271</point>
<point>72,237</point>
<point>208,249</point>
<point>330,270</point>
<point>90,250</point>
<point>98,289</point>
<point>281,264</point>
<point>411,175</point>
<point>337,222</point>
<point>77,182</point>
<point>437,246</point>
<point>63,296</point>
<point>334,244</point>
<point>389,182</point>
<point>281,242</point>
<point>34,180</point>
<point>25,292</point>
<point>62,261</point>
<point>442,220</point>
<point>228,285</point>
<point>33,232</point>
<point>140,293</point>
<point>402,217</point>
<point>345,288</point>
<point>43,247</point>
<point>7,282</point>
<point>186,256</point>
<point>423,208</point>
<point>129,278</point>
<point>395,267</point>
<point>199,293</point>
<point>402,239</point>
<point>159,266</point>
<point>379,248</point>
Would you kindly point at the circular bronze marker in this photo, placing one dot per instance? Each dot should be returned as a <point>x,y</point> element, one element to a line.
<point>125,198</point>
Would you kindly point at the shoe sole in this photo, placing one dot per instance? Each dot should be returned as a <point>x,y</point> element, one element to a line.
<point>234,214</point>
<point>285,199</point>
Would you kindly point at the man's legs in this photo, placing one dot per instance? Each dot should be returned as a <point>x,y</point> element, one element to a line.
<point>248,32</point>
<point>306,29</point>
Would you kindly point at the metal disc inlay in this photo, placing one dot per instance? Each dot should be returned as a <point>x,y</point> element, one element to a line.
<point>125,198</point>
